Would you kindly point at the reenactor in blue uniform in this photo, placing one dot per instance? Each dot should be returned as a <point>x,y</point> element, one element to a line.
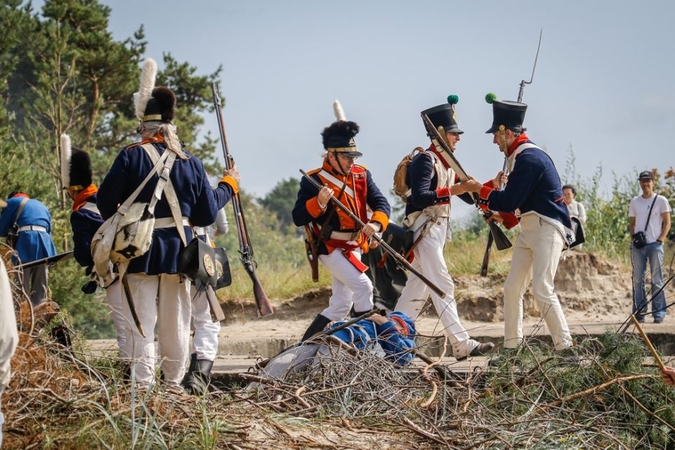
<point>85,219</point>
<point>534,193</point>
<point>432,184</point>
<point>32,242</point>
<point>160,293</point>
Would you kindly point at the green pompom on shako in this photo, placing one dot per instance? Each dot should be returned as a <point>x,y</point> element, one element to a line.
<point>490,97</point>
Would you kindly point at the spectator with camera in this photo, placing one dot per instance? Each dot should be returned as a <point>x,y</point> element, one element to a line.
<point>649,216</point>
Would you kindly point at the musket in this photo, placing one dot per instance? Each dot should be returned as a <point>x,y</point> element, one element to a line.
<point>486,256</point>
<point>245,250</point>
<point>49,260</point>
<point>497,234</point>
<point>400,260</point>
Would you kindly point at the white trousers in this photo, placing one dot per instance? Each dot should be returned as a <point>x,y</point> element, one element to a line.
<point>205,339</point>
<point>349,286</point>
<point>536,255</point>
<point>430,262</point>
<point>161,300</point>
<point>115,299</point>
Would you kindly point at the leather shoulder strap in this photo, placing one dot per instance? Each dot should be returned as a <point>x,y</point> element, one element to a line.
<point>20,210</point>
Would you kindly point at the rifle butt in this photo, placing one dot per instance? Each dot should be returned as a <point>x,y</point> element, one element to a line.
<point>502,242</point>
<point>486,256</point>
<point>315,271</point>
<point>262,302</point>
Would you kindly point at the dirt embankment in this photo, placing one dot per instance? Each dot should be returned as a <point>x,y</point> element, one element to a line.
<point>586,284</point>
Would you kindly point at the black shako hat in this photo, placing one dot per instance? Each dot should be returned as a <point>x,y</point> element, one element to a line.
<point>444,115</point>
<point>508,113</point>
<point>80,169</point>
<point>161,106</point>
<point>339,138</point>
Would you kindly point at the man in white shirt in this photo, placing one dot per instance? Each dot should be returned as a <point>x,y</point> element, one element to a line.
<point>649,213</point>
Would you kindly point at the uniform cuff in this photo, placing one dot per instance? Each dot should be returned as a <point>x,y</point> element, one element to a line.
<point>313,207</point>
<point>510,219</point>
<point>381,218</point>
<point>232,182</point>
<point>484,194</point>
<point>443,195</point>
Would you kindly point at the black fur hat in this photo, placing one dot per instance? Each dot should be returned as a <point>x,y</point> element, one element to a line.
<point>80,169</point>
<point>161,105</point>
<point>339,138</point>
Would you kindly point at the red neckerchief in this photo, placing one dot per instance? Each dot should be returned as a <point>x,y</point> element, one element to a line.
<point>522,138</point>
<point>20,194</point>
<point>405,332</point>
<point>440,157</point>
<point>82,197</point>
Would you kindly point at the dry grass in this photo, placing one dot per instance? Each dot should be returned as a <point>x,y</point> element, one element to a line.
<point>59,399</point>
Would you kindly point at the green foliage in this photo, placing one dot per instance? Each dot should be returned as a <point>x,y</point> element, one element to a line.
<point>606,393</point>
<point>62,72</point>
<point>281,200</point>
<point>607,224</point>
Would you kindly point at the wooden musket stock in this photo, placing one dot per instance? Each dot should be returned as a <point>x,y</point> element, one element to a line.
<point>245,250</point>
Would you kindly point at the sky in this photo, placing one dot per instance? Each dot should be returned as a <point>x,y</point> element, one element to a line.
<point>602,96</point>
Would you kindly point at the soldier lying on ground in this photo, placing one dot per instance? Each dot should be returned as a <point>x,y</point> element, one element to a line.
<point>391,337</point>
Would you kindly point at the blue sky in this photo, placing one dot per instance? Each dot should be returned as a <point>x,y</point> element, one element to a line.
<point>604,84</point>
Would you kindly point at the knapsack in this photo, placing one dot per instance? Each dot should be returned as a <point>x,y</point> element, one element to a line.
<point>401,188</point>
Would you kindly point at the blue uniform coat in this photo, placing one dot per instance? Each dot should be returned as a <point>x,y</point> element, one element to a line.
<point>85,221</point>
<point>397,347</point>
<point>30,245</point>
<point>533,185</point>
<point>198,201</point>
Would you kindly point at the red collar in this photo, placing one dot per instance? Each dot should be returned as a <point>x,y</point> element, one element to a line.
<point>82,197</point>
<point>440,157</point>
<point>521,139</point>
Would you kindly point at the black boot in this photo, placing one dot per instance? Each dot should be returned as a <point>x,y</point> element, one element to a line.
<point>198,376</point>
<point>317,325</point>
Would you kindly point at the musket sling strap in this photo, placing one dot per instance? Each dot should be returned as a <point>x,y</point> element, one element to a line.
<point>13,232</point>
<point>349,191</point>
<point>171,198</point>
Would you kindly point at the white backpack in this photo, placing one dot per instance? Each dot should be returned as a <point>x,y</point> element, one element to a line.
<point>127,234</point>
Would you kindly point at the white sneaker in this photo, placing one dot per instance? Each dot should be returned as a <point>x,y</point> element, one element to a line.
<point>463,349</point>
